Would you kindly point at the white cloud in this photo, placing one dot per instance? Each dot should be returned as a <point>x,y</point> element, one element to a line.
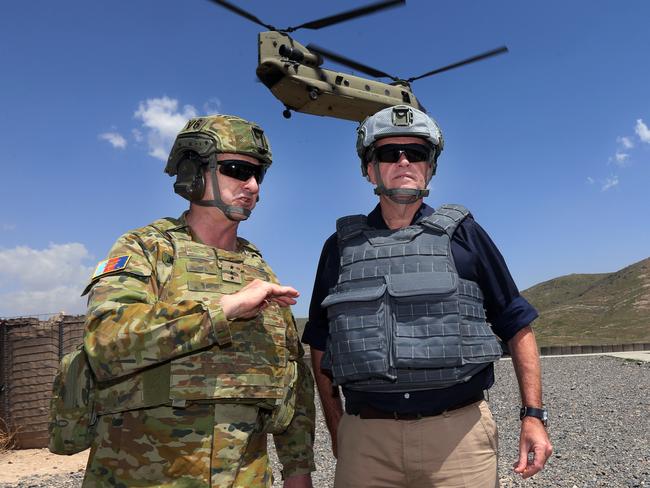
<point>610,183</point>
<point>642,131</point>
<point>212,106</point>
<point>625,142</point>
<point>34,302</point>
<point>137,135</point>
<point>162,120</point>
<point>43,280</point>
<point>115,139</point>
<point>620,158</point>
<point>590,180</point>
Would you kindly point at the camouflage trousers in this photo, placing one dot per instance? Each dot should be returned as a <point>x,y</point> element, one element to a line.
<point>201,446</point>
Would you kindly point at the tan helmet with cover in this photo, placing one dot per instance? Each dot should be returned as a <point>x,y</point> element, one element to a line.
<point>197,145</point>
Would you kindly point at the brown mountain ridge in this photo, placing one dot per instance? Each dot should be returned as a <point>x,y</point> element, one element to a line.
<point>603,308</point>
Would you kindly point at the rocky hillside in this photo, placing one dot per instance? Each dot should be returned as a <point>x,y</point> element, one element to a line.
<point>605,308</point>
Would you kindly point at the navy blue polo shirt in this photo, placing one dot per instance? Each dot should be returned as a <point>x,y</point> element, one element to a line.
<point>477,259</point>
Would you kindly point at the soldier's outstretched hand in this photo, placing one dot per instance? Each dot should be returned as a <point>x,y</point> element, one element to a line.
<point>255,297</point>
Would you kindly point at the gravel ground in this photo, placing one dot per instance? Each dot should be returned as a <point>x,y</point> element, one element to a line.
<point>599,410</point>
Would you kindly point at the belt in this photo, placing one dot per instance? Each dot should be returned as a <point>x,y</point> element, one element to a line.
<point>368,412</point>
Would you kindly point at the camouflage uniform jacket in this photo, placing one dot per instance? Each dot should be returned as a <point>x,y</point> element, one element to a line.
<point>157,335</point>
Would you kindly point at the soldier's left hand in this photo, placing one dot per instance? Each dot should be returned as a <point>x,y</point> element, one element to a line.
<point>256,296</point>
<point>533,440</point>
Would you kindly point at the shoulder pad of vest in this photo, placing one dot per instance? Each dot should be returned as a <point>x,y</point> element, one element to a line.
<point>447,218</point>
<point>350,226</point>
<point>249,246</point>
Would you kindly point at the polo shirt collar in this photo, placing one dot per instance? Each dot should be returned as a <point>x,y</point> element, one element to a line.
<point>376,219</point>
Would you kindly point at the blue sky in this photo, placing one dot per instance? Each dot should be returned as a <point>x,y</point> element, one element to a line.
<point>549,145</point>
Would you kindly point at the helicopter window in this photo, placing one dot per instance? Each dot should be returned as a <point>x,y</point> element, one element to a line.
<point>367,87</point>
<point>387,92</point>
<point>405,97</point>
<point>346,82</point>
<point>339,80</point>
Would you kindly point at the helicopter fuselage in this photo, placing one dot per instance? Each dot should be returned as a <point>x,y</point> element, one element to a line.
<point>294,76</point>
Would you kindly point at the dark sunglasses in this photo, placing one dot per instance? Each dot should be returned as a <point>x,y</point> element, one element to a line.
<point>415,153</point>
<point>242,170</point>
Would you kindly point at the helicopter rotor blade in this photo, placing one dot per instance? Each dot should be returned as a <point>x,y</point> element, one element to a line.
<point>349,62</point>
<point>243,13</point>
<point>473,59</point>
<point>350,14</point>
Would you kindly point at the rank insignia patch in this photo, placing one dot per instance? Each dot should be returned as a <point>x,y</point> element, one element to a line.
<point>111,264</point>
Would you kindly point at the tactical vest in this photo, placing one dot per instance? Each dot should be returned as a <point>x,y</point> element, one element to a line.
<point>400,318</point>
<point>255,361</point>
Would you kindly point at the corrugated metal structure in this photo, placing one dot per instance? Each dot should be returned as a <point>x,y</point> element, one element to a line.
<point>30,351</point>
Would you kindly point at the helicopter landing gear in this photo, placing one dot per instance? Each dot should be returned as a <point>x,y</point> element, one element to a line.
<point>313,93</point>
<point>286,113</point>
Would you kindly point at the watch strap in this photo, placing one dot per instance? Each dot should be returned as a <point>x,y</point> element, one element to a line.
<point>539,413</point>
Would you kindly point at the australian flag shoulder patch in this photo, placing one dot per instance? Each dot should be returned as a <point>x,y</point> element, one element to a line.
<point>110,265</point>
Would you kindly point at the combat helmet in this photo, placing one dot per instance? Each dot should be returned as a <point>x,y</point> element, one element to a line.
<point>197,145</point>
<point>399,120</point>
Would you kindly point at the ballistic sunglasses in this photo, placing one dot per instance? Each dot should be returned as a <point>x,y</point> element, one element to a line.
<point>241,170</point>
<point>415,153</point>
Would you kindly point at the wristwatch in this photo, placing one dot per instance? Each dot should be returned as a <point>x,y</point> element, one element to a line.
<point>538,413</point>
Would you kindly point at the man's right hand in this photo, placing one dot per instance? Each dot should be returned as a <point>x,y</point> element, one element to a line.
<point>255,297</point>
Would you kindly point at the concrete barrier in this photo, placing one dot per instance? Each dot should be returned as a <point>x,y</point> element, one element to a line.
<point>593,349</point>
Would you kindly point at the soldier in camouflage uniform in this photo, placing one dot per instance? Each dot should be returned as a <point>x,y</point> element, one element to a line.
<point>191,339</point>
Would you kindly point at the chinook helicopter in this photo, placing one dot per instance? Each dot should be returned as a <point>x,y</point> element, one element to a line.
<point>293,73</point>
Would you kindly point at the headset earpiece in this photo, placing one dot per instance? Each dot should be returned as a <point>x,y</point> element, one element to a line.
<point>190,183</point>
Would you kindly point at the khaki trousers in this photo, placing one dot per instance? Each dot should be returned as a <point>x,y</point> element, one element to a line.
<point>457,449</point>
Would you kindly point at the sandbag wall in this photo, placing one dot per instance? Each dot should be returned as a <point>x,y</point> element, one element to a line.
<point>30,351</point>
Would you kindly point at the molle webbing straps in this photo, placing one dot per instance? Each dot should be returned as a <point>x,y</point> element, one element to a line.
<point>166,227</point>
<point>400,317</point>
<point>447,218</point>
<point>220,327</point>
<point>350,226</point>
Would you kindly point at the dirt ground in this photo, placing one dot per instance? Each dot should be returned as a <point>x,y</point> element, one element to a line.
<point>17,464</point>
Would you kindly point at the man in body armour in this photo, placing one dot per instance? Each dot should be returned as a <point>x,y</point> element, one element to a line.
<point>191,339</point>
<point>405,308</point>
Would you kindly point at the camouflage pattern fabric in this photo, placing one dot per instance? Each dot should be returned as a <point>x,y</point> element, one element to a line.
<point>201,446</point>
<point>157,339</point>
<point>220,134</point>
<point>73,420</point>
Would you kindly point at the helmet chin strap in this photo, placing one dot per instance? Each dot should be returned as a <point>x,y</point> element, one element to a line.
<point>231,211</point>
<point>403,196</point>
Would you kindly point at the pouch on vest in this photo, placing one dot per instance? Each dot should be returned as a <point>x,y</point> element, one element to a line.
<point>72,414</point>
<point>281,412</point>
